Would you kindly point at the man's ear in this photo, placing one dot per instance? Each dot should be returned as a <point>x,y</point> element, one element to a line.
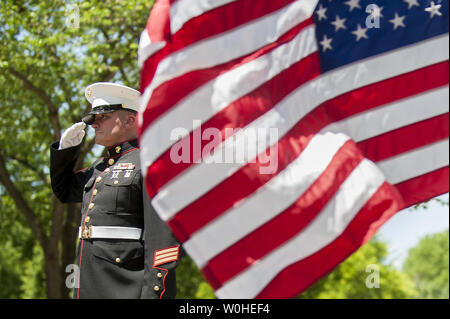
<point>131,120</point>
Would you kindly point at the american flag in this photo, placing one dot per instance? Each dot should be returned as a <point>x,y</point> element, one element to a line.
<point>357,92</point>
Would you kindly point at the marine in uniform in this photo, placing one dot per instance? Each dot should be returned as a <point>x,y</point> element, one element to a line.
<point>125,250</point>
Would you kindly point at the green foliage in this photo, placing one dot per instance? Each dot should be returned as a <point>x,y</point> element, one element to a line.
<point>9,272</point>
<point>32,276</point>
<point>348,280</point>
<point>428,265</point>
<point>424,205</point>
<point>190,283</point>
<point>51,50</point>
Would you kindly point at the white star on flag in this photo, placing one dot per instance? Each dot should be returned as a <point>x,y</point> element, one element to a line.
<point>339,23</point>
<point>412,3</point>
<point>321,13</point>
<point>360,33</point>
<point>353,4</point>
<point>397,21</point>
<point>434,9</point>
<point>326,43</point>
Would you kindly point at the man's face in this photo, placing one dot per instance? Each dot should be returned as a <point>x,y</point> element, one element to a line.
<point>109,129</point>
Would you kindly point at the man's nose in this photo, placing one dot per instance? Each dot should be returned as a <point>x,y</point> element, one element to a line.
<point>96,123</point>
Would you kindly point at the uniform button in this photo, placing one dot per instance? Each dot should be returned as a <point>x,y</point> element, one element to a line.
<point>117,260</point>
<point>91,205</point>
<point>111,161</point>
<point>95,192</point>
<point>98,179</point>
<point>118,149</point>
<point>159,275</point>
<point>87,219</point>
<point>116,182</point>
<point>156,288</point>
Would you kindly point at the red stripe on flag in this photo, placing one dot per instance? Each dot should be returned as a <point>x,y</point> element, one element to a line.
<point>200,28</point>
<point>291,221</point>
<point>360,100</point>
<point>158,24</point>
<point>406,138</point>
<point>169,93</point>
<point>424,187</point>
<point>376,95</point>
<point>234,189</point>
<point>249,108</point>
<point>224,19</point>
<point>299,276</point>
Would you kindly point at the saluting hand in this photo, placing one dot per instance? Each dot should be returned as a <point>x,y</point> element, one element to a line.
<point>72,136</point>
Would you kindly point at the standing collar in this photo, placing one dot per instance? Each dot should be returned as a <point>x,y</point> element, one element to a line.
<point>121,148</point>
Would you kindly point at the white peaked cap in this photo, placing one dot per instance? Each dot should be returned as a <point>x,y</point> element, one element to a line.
<point>105,93</point>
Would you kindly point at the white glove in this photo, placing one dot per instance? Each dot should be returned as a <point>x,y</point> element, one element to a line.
<point>72,136</point>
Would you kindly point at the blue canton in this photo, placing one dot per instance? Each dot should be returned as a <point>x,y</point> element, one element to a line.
<point>351,30</point>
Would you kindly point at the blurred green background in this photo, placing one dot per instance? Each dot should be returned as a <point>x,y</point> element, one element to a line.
<point>51,50</point>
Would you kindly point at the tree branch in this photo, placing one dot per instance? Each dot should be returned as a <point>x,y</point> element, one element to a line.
<point>53,110</point>
<point>86,148</point>
<point>122,71</point>
<point>40,174</point>
<point>118,63</point>
<point>57,223</point>
<point>21,203</point>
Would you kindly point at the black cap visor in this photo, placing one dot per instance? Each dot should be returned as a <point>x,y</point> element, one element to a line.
<point>89,119</point>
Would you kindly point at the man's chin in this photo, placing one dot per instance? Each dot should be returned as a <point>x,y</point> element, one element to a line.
<point>99,140</point>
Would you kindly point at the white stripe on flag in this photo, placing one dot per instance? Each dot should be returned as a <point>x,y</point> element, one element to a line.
<point>230,45</point>
<point>182,11</point>
<point>416,162</point>
<point>270,200</point>
<point>223,90</point>
<point>147,48</point>
<point>353,194</point>
<point>192,184</point>
<point>393,116</point>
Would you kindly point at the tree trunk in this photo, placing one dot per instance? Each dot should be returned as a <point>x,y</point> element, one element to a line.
<point>52,271</point>
<point>68,244</point>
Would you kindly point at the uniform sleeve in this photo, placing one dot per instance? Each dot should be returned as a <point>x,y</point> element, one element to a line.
<point>162,255</point>
<point>66,184</point>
